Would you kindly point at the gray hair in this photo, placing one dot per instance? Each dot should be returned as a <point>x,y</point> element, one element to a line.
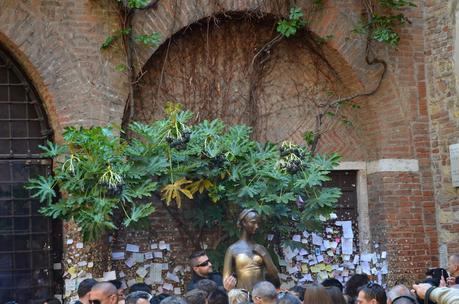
<point>173,300</point>
<point>264,290</point>
<point>237,296</point>
<point>134,296</point>
<point>398,291</point>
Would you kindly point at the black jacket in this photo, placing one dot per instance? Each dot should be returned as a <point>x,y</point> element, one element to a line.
<point>195,278</point>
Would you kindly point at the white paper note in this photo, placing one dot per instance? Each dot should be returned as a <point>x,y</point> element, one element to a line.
<point>347,247</point>
<point>141,272</point>
<point>296,238</point>
<point>132,248</point>
<point>172,277</point>
<point>118,255</point>
<point>168,286</point>
<point>109,275</point>
<point>156,272</point>
<point>317,240</point>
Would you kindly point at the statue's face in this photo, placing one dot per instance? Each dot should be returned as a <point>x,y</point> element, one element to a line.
<point>251,222</point>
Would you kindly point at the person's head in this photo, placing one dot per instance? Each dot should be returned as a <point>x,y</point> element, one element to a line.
<point>119,286</point>
<point>399,292</point>
<point>284,297</point>
<point>218,296</point>
<point>103,293</point>
<point>453,265</point>
<point>332,282</point>
<point>264,292</point>
<point>173,300</point>
<point>433,275</point>
<point>140,287</point>
<point>206,285</point>
<point>316,294</point>
<point>249,220</point>
<point>354,283</point>
<point>84,288</point>
<point>158,298</point>
<point>236,296</point>
<point>52,301</point>
<point>335,294</point>
<point>200,263</point>
<point>138,297</point>
<point>298,291</point>
<point>372,293</point>
<point>195,296</point>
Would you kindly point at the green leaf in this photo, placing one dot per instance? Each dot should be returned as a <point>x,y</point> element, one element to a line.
<point>139,212</point>
<point>121,67</point>
<point>150,40</point>
<point>42,188</point>
<point>109,41</point>
<point>51,149</point>
<point>138,4</point>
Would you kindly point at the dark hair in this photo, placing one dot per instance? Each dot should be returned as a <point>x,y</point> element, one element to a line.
<point>158,298</point>
<point>140,287</point>
<point>316,294</point>
<point>299,290</point>
<point>134,296</point>
<point>173,300</point>
<point>195,296</point>
<point>436,274</point>
<point>218,296</point>
<point>354,283</point>
<point>52,301</point>
<point>197,254</point>
<point>336,294</point>
<point>374,291</point>
<point>284,297</point>
<point>206,285</point>
<point>332,282</point>
<point>85,286</point>
<point>117,283</point>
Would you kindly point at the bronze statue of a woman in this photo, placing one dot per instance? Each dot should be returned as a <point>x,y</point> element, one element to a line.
<point>245,260</point>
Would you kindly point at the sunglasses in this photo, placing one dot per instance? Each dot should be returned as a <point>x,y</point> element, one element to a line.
<point>203,264</point>
<point>94,301</point>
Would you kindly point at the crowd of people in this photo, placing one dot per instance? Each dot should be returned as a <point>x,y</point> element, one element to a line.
<point>440,286</point>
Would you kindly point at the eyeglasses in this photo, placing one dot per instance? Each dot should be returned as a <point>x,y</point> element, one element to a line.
<point>205,263</point>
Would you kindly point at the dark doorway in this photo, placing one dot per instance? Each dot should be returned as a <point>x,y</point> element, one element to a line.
<point>30,244</point>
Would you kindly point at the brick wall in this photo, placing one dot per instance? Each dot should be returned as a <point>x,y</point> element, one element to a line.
<point>412,116</point>
<point>443,108</point>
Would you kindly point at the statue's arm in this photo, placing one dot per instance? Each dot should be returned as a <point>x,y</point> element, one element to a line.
<point>228,264</point>
<point>268,261</point>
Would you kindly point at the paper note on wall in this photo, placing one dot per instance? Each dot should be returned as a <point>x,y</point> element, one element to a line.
<point>132,248</point>
<point>346,246</point>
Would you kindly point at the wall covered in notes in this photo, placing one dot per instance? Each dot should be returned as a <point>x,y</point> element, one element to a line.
<point>202,61</point>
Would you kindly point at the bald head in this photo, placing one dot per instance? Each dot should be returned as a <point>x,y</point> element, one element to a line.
<point>453,265</point>
<point>105,292</point>
<point>397,291</point>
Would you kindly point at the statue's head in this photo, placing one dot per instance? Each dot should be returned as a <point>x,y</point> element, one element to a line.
<point>249,220</point>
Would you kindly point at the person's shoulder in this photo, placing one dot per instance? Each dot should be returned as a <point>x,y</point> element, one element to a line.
<point>217,278</point>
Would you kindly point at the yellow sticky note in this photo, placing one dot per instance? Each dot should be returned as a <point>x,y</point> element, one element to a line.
<point>315,269</point>
<point>304,268</point>
<point>72,271</point>
<point>329,268</point>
